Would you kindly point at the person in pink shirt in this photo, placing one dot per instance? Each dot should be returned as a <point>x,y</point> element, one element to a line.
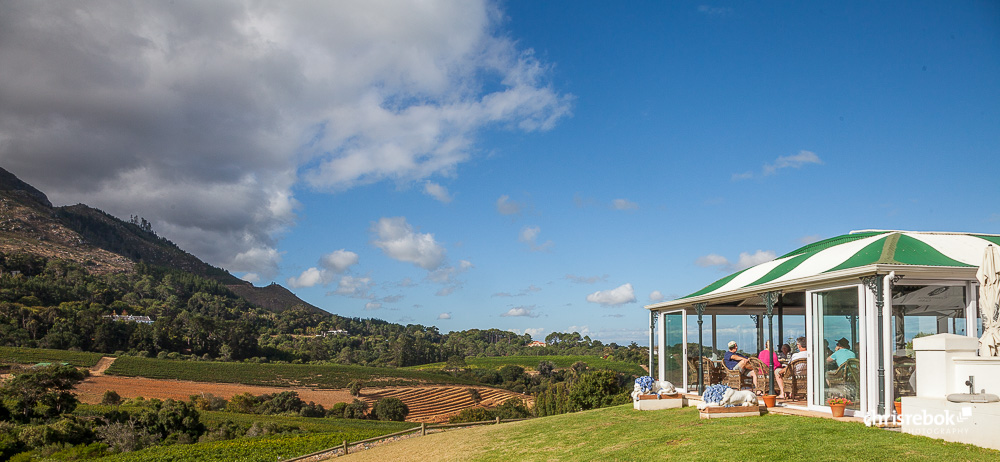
<point>768,357</point>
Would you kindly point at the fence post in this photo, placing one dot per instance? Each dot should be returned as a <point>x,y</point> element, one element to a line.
<point>498,420</point>
<point>345,447</point>
<point>423,429</point>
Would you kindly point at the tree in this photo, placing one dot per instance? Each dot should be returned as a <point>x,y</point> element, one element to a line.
<point>390,408</point>
<point>355,387</point>
<point>545,368</point>
<point>111,397</point>
<point>474,394</point>
<point>594,390</point>
<point>42,392</point>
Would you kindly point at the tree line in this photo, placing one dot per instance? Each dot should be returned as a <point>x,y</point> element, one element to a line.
<point>52,303</point>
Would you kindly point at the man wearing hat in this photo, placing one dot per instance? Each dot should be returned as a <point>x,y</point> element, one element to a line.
<point>842,352</point>
<point>737,362</point>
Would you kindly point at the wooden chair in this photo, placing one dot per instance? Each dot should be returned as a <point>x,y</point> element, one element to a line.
<point>846,380</point>
<point>739,380</point>
<point>763,372</point>
<point>903,368</point>
<point>796,378</point>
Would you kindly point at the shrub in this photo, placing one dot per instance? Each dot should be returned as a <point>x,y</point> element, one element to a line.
<point>390,409</point>
<point>511,373</point>
<point>472,414</point>
<point>111,398</point>
<point>337,410</point>
<point>356,410</point>
<point>209,402</point>
<point>512,408</point>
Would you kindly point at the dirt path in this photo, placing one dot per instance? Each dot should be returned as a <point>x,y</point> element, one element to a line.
<point>101,366</point>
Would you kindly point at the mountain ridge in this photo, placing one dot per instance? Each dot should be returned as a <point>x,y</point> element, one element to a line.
<point>103,244</point>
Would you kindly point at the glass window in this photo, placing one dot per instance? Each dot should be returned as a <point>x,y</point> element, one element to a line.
<point>835,342</point>
<point>918,311</point>
<point>673,326</point>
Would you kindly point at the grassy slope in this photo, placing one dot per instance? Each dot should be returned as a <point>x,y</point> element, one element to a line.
<point>307,375</point>
<point>38,355</point>
<point>621,433</point>
<point>531,362</point>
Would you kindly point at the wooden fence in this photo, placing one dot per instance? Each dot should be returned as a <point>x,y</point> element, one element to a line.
<point>343,449</point>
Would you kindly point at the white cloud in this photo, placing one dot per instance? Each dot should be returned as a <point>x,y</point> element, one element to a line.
<point>399,241</point>
<point>252,278</point>
<point>527,291</point>
<point>624,204</point>
<point>582,330</point>
<point>444,316</point>
<point>655,296</point>
<point>745,261</point>
<point>373,306</point>
<point>793,161</point>
<point>618,296</point>
<point>308,278</point>
<point>356,287</point>
<point>437,191</point>
<point>339,261</point>
<point>587,279</point>
<point>529,235</point>
<point>204,117</point>
<point>535,332</point>
<point>448,290</point>
<point>507,207</point>
<point>712,260</point>
<point>782,162</point>
<point>527,311</point>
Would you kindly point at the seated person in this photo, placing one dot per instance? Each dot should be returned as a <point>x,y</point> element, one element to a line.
<point>770,359</point>
<point>841,353</point>
<point>800,343</point>
<point>735,362</point>
<point>784,352</point>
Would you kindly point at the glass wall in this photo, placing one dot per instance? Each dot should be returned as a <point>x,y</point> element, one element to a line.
<point>835,341</point>
<point>917,311</point>
<point>673,358</point>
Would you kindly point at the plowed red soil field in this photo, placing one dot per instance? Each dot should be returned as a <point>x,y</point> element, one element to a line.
<point>427,404</point>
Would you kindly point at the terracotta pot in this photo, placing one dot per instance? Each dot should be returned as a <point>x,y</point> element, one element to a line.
<point>838,409</point>
<point>769,400</point>
<point>899,407</point>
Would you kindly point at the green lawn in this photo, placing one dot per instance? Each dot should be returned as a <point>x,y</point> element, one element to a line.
<point>621,433</point>
<point>531,362</point>
<point>281,375</point>
<point>19,355</point>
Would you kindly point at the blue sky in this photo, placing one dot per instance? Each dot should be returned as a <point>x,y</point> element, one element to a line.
<point>533,166</point>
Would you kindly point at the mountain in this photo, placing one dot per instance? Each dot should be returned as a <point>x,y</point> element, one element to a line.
<point>105,244</point>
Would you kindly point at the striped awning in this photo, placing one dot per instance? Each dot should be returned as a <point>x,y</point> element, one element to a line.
<point>859,249</point>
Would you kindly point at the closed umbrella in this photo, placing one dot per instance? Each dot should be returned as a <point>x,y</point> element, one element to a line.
<point>989,301</point>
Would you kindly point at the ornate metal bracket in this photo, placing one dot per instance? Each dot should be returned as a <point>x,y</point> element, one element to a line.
<point>874,282</point>
<point>699,308</point>
<point>770,298</point>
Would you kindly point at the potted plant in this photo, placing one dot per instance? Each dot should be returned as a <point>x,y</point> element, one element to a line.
<point>899,406</point>
<point>769,400</point>
<point>837,405</point>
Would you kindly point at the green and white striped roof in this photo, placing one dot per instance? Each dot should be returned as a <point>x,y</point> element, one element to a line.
<point>857,250</point>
